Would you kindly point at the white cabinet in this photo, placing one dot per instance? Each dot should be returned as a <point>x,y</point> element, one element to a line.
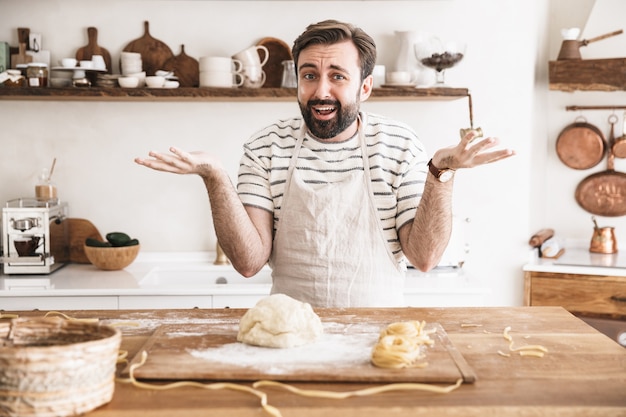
<point>156,302</point>
<point>47,303</point>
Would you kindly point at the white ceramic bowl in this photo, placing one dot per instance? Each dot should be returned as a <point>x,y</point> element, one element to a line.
<point>128,82</point>
<point>155,81</point>
<point>141,76</point>
<point>171,84</point>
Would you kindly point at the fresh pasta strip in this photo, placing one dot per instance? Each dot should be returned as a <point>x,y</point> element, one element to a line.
<point>66,317</point>
<point>400,345</point>
<point>272,411</point>
<point>362,392</point>
<point>526,350</point>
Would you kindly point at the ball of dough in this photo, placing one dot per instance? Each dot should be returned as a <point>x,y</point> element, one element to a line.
<point>279,321</point>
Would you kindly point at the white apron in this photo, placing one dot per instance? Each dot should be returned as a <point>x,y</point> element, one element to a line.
<point>329,249</point>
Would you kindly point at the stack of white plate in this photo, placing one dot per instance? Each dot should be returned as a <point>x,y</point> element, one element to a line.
<point>131,66</point>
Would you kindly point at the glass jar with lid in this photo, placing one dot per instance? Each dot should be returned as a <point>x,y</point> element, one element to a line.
<point>37,74</point>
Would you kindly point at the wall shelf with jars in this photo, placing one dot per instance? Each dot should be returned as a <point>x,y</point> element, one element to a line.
<point>211,94</point>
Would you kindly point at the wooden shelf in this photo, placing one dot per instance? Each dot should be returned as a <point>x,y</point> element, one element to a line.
<point>588,75</point>
<point>212,94</point>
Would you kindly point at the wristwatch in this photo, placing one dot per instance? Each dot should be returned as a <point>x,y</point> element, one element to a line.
<point>442,175</point>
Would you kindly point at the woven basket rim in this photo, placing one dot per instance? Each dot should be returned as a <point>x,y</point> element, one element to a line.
<point>99,333</point>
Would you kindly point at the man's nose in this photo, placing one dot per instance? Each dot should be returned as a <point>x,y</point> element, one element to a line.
<point>323,89</point>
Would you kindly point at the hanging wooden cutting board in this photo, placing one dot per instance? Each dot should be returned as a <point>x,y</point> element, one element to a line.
<point>279,52</point>
<point>79,230</point>
<point>185,68</point>
<point>154,53</point>
<point>21,57</point>
<point>92,48</point>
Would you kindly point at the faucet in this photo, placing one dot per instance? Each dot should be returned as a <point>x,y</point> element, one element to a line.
<point>221,258</point>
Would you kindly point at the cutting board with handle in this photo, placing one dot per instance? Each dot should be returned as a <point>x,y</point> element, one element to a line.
<point>21,57</point>
<point>154,53</point>
<point>279,51</point>
<point>79,230</point>
<point>92,48</point>
<point>185,68</point>
<point>201,351</point>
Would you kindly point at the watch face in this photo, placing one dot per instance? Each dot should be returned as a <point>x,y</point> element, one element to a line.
<point>446,175</point>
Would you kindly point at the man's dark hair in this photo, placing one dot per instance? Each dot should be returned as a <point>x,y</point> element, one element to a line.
<point>329,32</point>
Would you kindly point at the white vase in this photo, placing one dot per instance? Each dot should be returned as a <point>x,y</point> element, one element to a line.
<point>405,55</point>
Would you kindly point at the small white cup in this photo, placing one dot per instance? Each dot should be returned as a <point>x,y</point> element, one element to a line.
<point>253,76</point>
<point>379,75</point>
<point>250,56</point>
<point>86,64</point>
<point>69,62</point>
<point>155,81</point>
<point>98,62</point>
<point>224,79</point>
<point>399,77</point>
<point>220,63</point>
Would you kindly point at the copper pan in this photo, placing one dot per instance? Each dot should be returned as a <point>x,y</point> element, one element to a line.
<point>604,193</point>
<point>619,144</point>
<point>581,145</point>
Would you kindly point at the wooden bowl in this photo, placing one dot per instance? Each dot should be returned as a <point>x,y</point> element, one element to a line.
<point>111,258</point>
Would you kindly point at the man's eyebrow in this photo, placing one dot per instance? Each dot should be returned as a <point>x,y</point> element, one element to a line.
<point>334,66</point>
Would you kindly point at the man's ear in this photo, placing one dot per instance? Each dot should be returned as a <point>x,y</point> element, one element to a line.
<point>366,87</point>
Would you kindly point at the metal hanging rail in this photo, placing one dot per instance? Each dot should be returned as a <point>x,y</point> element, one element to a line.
<point>574,108</point>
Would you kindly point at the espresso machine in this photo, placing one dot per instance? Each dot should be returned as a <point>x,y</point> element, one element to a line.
<point>35,236</point>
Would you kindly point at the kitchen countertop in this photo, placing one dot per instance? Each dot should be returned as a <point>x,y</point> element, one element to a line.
<point>583,373</point>
<point>578,260</point>
<point>193,273</point>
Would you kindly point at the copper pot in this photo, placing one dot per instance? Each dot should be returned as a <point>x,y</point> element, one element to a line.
<point>603,239</point>
<point>604,193</point>
<point>581,145</point>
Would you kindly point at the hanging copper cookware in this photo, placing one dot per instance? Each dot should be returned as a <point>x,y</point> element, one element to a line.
<point>581,145</point>
<point>604,193</point>
<point>619,145</point>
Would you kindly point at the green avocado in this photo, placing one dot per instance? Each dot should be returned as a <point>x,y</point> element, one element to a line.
<point>96,243</point>
<point>118,238</point>
<point>131,242</point>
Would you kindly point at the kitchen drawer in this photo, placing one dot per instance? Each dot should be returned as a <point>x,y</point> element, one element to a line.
<point>579,294</point>
<point>59,303</point>
<point>150,302</point>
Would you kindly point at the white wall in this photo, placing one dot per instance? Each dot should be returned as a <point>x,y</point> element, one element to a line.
<point>505,68</point>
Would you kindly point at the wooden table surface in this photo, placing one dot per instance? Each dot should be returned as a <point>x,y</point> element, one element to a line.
<point>584,372</point>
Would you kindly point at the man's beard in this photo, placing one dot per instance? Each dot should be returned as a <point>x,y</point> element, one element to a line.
<point>327,129</point>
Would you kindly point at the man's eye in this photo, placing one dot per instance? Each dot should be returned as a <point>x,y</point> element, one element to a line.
<point>308,76</point>
<point>339,77</point>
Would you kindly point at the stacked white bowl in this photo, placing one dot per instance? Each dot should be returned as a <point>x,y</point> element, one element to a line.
<point>131,65</point>
<point>217,71</point>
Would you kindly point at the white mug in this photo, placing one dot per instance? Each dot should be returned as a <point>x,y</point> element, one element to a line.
<point>220,79</point>
<point>253,76</point>
<point>250,56</point>
<point>219,63</point>
<point>69,62</point>
<point>98,62</point>
<point>400,77</point>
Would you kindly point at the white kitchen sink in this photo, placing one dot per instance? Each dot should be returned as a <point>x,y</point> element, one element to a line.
<point>200,276</point>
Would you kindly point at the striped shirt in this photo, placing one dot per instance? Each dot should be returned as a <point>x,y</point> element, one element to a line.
<point>397,162</point>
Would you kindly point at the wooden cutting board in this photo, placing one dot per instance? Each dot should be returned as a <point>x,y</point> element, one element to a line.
<point>186,68</point>
<point>154,53</point>
<point>210,351</point>
<point>92,48</point>
<point>279,52</point>
<point>79,230</point>
<point>21,57</point>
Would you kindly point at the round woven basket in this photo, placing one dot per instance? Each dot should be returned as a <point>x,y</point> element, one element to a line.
<point>111,258</point>
<point>56,367</point>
